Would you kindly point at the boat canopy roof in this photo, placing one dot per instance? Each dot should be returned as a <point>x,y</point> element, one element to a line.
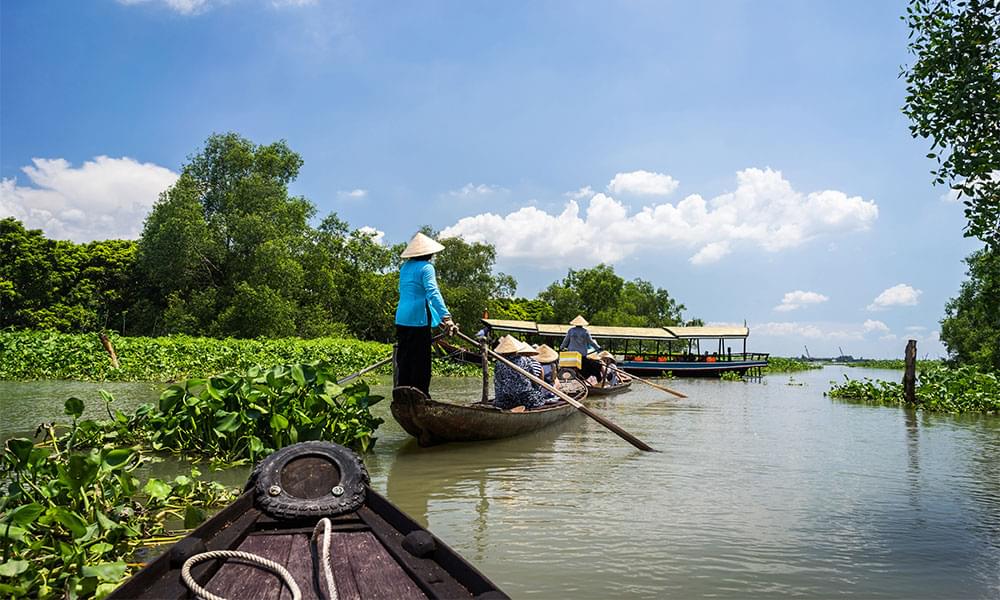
<point>719,331</point>
<point>622,333</point>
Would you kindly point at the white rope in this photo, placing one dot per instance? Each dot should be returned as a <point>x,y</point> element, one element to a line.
<point>331,585</point>
<point>201,592</point>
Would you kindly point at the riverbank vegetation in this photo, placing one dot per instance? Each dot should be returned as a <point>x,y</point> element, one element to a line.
<point>938,389</point>
<point>50,355</point>
<point>778,364</point>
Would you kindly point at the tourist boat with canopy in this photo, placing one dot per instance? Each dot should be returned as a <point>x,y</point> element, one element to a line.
<point>652,351</point>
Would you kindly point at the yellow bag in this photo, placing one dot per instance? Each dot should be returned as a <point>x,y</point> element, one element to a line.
<point>570,359</point>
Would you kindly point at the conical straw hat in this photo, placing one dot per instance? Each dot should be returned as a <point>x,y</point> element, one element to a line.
<point>579,320</point>
<point>421,245</point>
<point>546,354</point>
<point>526,349</point>
<point>508,345</point>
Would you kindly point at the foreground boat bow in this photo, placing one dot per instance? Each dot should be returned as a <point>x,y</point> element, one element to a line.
<point>375,550</point>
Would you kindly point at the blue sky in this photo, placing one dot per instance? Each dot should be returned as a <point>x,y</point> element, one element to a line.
<point>749,157</point>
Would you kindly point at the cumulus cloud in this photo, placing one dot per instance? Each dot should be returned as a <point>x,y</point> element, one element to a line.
<point>798,299</point>
<point>642,183</point>
<point>763,212</point>
<point>871,325</point>
<point>580,194</point>
<point>898,295</point>
<point>103,198</point>
<point>355,194</point>
<point>471,190</point>
<point>375,235</point>
<point>710,253</point>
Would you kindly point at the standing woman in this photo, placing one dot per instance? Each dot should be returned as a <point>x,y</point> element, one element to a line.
<point>421,307</point>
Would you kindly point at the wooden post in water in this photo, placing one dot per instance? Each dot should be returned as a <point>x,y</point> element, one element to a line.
<point>111,351</point>
<point>910,374</point>
<point>484,349</point>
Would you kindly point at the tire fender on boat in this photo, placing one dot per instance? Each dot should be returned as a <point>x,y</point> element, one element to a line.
<point>310,479</point>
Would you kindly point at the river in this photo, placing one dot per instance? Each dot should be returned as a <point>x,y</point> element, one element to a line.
<point>759,490</point>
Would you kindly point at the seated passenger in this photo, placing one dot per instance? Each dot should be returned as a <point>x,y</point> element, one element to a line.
<point>549,359</point>
<point>511,388</point>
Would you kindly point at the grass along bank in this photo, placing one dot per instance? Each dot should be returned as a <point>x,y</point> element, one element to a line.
<point>28,355</point>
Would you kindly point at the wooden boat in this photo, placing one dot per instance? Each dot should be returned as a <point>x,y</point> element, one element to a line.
<point>372,549</point>
<point>433,422</point>
<point>572,374</point>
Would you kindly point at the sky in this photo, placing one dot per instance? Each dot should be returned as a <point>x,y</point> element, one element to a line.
<point>749,157</point>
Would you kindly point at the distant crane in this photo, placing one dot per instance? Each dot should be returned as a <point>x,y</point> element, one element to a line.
<point>807,352</point>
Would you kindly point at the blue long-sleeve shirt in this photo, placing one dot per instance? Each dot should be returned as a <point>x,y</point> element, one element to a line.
<point>418,290</point>
<point>578,340</point>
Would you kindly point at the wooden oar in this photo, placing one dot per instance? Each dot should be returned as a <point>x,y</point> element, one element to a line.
<point>377,365</point>
<point>628,437</point>
<point>650,383</point>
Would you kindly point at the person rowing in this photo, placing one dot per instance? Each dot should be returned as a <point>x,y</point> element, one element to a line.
<point>420,308</point>
<point>578,340</point>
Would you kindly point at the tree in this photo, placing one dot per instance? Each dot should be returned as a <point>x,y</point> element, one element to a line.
<point>56,284</point>
<point>224,245</point>
<point>971,326</point>
<point>604,298</point>
<point>953,98</point>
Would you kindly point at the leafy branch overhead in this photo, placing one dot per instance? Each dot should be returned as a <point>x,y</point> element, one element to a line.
<point>953,98</point>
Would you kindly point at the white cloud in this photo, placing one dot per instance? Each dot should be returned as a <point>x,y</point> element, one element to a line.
<point>872,325</point>
<point>104,198</point>
<point>184,7</point>
<point>580,194</point>
<point>898,295</point>
<point>471,190</point>
<point>710,253</point>
<point>642,183</point>
<point>915,328</point>
<point>355,194</point>
<point>375,235</point>
<point>798,299</point>
<point>283,3</point>
<point>763,211</point>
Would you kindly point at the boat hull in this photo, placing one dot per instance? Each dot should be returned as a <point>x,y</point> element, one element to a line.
<point>432,422</point>
<point>692,368</point>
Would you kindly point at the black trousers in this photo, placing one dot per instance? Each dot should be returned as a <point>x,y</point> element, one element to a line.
<point>413,357</point>
<point>591,367</point>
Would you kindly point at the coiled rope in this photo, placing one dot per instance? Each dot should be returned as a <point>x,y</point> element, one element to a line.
<point>270,565</point>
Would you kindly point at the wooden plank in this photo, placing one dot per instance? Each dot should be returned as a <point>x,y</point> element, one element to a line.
<point>376,572</point>
<point>250,582</point>
<point>302,566</point>
<point>343,573</point>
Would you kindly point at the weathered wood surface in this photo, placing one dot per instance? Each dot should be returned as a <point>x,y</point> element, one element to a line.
<point>910,373</point>
<point>236,579</point>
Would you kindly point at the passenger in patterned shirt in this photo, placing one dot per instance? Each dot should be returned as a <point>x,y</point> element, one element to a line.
<point>512,389</point>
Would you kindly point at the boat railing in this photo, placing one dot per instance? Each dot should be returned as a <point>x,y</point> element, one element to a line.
<point>682,357</point>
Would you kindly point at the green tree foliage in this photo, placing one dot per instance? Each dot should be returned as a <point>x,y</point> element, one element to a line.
<point>221,250</point>
<point>604,298</point>
<point>55,284</point>
<point>953,98</point>
<point>971,326</point>
<point>521,309</point>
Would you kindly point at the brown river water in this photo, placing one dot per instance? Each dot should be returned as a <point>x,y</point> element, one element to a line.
<point>759,490</point>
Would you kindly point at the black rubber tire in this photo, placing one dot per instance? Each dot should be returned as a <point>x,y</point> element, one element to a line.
<point>353,478</point>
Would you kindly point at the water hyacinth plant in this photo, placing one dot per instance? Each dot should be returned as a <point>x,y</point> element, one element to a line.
<point>71,517</point>
<point>955,390</point>
<point>238,417</point>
